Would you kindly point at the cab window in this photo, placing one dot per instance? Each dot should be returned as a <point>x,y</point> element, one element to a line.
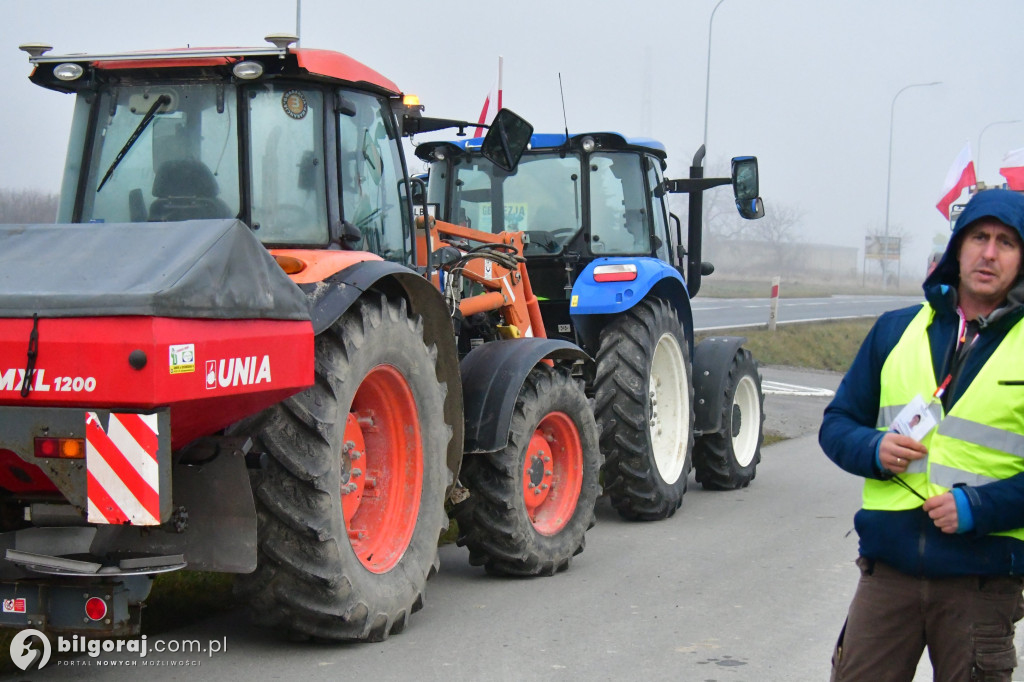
<point>372,177</point>
<point>619,222</point>
<point>289,204</point>
<point>657,195</point>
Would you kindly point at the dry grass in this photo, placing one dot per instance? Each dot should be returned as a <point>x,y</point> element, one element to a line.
<point>822,345</point>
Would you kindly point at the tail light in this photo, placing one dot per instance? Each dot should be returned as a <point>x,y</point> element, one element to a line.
<point>60,448</point>
<point>620,272</point>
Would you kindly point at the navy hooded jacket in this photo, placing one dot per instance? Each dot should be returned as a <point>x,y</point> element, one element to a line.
<point>909,540</point>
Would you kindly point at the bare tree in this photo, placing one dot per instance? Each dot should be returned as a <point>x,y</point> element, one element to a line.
<point>27,206</point>
<point>780,228</point>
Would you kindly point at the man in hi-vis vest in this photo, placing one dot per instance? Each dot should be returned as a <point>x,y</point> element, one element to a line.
<point>942,521</point>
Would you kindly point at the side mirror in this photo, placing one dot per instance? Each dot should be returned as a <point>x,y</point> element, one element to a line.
<point>745,187</point>
<point>506,140</point>
<point>751,209</point>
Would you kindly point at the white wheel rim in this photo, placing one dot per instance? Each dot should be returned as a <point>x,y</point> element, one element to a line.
<point>747,409</point>
<point>669,398</point>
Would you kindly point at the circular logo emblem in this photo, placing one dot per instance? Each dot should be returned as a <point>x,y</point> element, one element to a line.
<point>25,655</point>
<point>294,104</point>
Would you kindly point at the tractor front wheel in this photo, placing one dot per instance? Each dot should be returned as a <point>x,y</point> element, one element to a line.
<point>530,504</point>
<point>727,459</point>
<point>350,498</point>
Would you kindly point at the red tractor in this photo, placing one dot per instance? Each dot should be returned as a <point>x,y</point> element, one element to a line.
<point>228,355</point>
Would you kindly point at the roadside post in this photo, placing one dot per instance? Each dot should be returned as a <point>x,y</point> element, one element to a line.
<point>773,309</point>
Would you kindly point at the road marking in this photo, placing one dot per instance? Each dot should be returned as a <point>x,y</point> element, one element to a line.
<point>776,388</point>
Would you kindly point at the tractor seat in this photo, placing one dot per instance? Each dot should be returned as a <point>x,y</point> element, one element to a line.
<point>186,190</point>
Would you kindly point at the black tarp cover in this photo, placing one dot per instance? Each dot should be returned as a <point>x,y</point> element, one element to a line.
<point>213,269</point>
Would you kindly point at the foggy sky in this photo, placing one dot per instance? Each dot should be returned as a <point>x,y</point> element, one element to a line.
<point>805,85</point>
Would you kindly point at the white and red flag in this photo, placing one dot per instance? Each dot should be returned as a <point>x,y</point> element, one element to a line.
<point>491,105</point>
<point>1013,169</point>
<point>960,177</point>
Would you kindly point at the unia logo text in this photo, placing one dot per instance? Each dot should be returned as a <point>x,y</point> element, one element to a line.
<point>238,371</point>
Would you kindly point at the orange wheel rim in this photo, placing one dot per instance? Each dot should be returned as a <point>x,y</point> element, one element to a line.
<point>553,473</point>
<point>382,469</point>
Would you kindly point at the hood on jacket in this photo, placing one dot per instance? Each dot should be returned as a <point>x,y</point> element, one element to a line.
<point>1004,205</point>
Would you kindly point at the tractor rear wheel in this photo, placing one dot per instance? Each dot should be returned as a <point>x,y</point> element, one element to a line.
<point>531,504</point>
<point>350,499</point>
<point>643,394</point>
<point>728,459</point>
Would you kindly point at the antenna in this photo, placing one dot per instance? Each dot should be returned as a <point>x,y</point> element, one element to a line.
<point>565,118</point>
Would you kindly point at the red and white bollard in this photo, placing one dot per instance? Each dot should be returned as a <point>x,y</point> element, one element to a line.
<point>773,309</point>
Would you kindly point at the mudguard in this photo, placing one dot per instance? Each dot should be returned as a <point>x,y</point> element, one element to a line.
<point>591,302</point>
<point>711,361</point>
<point>492,375</point>
<point>331,298</point>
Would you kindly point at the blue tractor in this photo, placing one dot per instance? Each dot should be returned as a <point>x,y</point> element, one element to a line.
<point>609,265</point>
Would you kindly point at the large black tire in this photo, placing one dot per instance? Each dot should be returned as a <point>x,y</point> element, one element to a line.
<point>643,400</point>
<point>350,498</point>
<point>531,504</point>
<point>728,459</point>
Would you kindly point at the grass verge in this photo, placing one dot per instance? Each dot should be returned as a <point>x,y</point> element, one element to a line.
<point>823,345</point>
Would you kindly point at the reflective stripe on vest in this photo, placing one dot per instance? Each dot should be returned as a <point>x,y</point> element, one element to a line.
<point>906,373</point>
<point>980,441</point>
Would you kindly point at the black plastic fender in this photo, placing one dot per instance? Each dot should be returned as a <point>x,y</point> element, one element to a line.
<point>329,299</point>
<point>711,361</point>
<point>492,376</point>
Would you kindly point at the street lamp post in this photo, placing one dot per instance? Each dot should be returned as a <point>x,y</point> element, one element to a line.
<point>987,126</point>
<point>888,181</point>
<point>707,84</point>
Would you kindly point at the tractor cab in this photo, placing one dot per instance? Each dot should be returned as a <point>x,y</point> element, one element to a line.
<point>576,200</point>
<point>301,145</point>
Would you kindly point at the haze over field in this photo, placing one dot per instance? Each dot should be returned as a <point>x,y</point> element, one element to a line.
<point>806,86</point>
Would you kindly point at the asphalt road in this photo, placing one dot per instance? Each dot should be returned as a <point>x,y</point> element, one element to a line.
<point>712,314</point>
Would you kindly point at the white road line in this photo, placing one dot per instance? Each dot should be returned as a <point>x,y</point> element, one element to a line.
<point>776,388</point>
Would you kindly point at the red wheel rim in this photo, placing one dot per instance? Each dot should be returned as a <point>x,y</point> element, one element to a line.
<point>382,469</point>
<point>553,473</point>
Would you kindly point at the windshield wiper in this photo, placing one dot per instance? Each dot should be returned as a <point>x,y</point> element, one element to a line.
<point>160,101</point>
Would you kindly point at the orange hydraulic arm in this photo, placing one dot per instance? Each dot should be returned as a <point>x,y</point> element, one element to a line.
<point>508,289</point>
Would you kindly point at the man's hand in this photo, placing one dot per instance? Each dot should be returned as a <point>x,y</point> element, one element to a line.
<point>942,510</point>
<point>897,451</point>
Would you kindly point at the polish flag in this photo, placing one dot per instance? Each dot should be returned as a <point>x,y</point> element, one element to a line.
<point>960,177</point>
<point>1013,169</point>
<point>491,105</point>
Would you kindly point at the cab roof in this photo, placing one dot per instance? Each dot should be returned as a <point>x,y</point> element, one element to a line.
<point>606,141</point>
<point>278,60</point>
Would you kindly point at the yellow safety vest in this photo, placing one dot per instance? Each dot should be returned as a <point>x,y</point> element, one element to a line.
<point>979,441</point>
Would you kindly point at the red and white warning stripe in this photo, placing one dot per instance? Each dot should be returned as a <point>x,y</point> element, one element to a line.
<point>121,466</point>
